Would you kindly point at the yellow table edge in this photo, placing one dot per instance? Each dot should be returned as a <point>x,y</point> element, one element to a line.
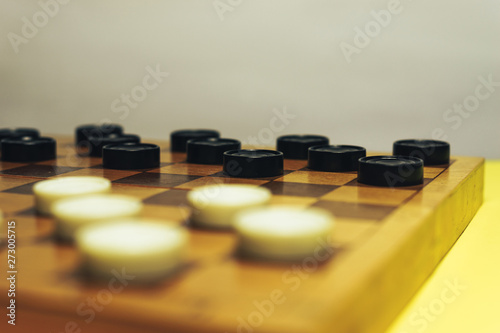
<point>463,293</point>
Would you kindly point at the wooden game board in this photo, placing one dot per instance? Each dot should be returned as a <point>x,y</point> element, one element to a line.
<point>386,243</point>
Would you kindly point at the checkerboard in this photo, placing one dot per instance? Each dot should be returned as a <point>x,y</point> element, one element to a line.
<point>386,242</point>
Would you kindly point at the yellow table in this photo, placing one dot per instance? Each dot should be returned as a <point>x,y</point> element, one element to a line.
<point>463,293</point>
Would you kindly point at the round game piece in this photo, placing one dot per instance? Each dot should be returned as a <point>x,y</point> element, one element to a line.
<point>76,212</point>
<point>49,191</point>
<point>283,232</point>
<point>146,249</point>
<point>130,156</point>
<point>97,143</point>
<point>28,149</point>
<point>85,132</point>
<point>179,139</point>
<point>433,152</point>
<point>253,163</point>
<point>391,171</point>
<point>209,150</point>
<point>335,158</point>
<point>216,205</point>
<point>12,133</point>
<point>296,146</point>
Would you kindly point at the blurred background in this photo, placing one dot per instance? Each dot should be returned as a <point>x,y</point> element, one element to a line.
<point>362,72</point>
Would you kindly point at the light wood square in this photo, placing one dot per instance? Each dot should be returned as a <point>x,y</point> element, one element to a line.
<point>220,180</point>
<point>106,173</point>
<point>172,213</point>
<point>322,178</point>
<point>8,182</point>
<point>292,200</point>
<point>136,191</point>
<point>189,169</point>
<point>432,172</point>
<point>11,202</point>
<point>369,195</point>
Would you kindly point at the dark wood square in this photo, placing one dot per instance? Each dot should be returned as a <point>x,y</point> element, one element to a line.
<point>31,211</point>
<point>170,198</point>
<point>222,174</point>
<point>10,165</point>
<point>299,189</point>
<point>100,166</point>
<point>36,170</point>
<point>23,189</point>
<point>156,179</point>
<point>355,182</point>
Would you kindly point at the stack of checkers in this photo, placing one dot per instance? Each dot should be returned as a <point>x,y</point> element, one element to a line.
<point>117,149</point>
<point>270,232</point>
<point>26,145</point>
<point>108,228</point>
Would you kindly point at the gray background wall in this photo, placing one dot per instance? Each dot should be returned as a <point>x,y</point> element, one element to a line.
<point>230,69</point>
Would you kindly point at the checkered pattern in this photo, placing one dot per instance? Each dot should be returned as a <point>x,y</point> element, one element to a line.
<point>163,190</point>
<point>215,283</point>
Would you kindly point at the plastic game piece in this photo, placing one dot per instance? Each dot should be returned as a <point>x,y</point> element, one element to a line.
<point>145,249</point>
<point>28,149</point>
<point>209,150</point>
<point>433,152</point>
<point>83,133</point>
<point>216,205</point>
<point>391,171</point>
<point>179,139</point>
<point>335,158</point>
<point>49,191</point>
<point>130,156</point>
<point>10,133</point>
<point>97,143</point>
<point>283,232</point>
<point>253,163</point>
<point>296,146</point>
<point>76,212</point>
